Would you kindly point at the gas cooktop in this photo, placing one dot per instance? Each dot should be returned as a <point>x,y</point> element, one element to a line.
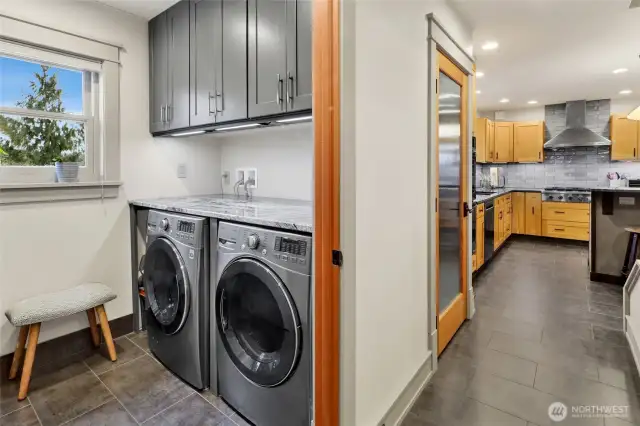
<point>566,194</point>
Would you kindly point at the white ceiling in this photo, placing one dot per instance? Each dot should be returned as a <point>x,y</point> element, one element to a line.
<point>553,51</point>
<point>144,8</point>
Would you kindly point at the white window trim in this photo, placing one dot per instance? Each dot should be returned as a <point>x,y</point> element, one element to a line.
<point>58,48</point>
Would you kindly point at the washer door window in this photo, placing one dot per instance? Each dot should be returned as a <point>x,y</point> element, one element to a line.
<point>166,285</point>
<point>258,322</point>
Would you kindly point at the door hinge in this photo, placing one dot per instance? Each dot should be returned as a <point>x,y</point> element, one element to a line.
<point>436,85</point>
<point>336,257</point>
<point>437,321</point>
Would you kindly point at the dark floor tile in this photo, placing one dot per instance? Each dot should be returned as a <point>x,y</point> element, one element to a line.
<point>612,311</point>
<point>617,422</point>
<point>562,335</point>
<point>145,388</point>
<point>606,299</point>
<point>478,414</point>
<point>140,339</point>
<point>193,410</point>
<point>23,417</point>
<point>64,400</point>
<point>111,413</point>
<point>454,373</point>
<point>413,420</point>
<point>507,366</point>
<point>240,421</point>
<point>218,402</point>
<point>604,320</point>
<point>603,288</point>
<point>620,378</point>
<point>609,336</point>
<point>9,396</point>
<point>100,363</point>
<point>438,404</point>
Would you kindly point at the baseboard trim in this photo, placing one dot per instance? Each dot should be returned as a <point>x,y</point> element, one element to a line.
<point>70,344</point>
<point>632,335</point>
<point>606,278</point>
<point>400,408</point>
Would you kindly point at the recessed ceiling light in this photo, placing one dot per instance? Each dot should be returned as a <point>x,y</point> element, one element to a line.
<point>490,45</point>
<point>625,92</point>
<point>504,100</point>
<point>620,70</point>
<point>478,92</point>
<point>479,74</point>
<point>532,102</point>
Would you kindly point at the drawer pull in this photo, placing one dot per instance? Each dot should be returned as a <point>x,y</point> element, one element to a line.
<point>559,212</point>
<point>557,229</point>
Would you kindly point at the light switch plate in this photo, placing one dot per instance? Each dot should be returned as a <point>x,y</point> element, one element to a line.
<point>182,170</point>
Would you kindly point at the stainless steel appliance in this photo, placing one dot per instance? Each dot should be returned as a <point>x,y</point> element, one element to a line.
<point>176,284</point>
<point>566,194</point>
<point>488,230</point>
<point>263,326</point>
<point>473,231</point>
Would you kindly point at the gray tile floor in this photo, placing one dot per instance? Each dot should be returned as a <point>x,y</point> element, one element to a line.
<point>88,389</point>
<point>542,333</point>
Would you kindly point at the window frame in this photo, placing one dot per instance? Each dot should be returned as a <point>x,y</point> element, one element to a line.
<point>91,116</point>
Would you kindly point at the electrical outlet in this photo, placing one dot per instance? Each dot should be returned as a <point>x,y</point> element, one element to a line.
<point>225,177</point>
<point>182,170</point>
<point>251,174</point>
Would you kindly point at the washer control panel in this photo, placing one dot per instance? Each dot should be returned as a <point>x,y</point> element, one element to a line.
<point>292,251</point>
<point>184,229</point>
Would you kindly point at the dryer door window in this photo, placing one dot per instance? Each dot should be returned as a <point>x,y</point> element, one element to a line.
<point>258,322</point>
<point>167,285</point>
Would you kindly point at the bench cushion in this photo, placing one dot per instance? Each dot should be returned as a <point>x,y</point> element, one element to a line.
<point>50,306</point>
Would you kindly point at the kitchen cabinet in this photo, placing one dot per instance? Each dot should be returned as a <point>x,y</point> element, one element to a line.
<point>279,56</point>
<point>625,138</point>
<point>502,225</point>
<point>507,216</point>
<point>518,213</point>
<point>491,142</point>
<point>503,141</point>
<point>474,264</point>
<point>483,135</point>
<point>566,220</point>
<point>218,55</point>
<point>169,69</point>
<point>533,213</point>
<point>528,142</point>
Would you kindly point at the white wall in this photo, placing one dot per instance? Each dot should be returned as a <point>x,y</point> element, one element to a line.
<point>45,247</point>
<point>388,144</point>
<point>283,156</point>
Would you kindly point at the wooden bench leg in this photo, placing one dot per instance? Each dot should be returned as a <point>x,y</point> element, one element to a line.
<point>34,332</point>
<point>93,324</point>
<point>19,353</point>
<point>106,332</point>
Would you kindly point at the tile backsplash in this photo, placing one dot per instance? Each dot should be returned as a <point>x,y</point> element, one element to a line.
<point>586,166</point>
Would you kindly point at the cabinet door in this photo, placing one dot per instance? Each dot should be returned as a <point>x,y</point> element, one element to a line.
<point>158,50</point>
<point>518,215</point>
<point>178,102</point>
<point>503,142</point>
<point>231,74</point>
<point>533,213</point>
<point>298,82</point>
<point>491,142</point>
<point>206,48</point>
<point>267,35</point>
<point>528,141</point>
<point>624,138</point>
<point>481,133</point>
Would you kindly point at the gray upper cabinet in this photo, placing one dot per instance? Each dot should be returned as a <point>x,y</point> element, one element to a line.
<point>218,61</point>
<point>299,82</point>
<point>178,102</point>
<point>158,69</point>
<point>267,56</point>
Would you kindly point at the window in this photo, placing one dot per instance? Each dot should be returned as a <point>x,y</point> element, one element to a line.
<point>50,110</point>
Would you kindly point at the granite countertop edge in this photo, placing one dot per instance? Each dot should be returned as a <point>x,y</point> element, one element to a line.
<point>273,221</point>
<point>503,191</point>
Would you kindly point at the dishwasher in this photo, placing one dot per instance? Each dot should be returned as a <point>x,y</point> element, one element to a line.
<point>488,230</point>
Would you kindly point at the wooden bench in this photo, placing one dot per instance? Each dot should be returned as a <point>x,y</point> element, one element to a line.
<point>30,313</point>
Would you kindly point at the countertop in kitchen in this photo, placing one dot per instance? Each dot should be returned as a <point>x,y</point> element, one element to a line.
<point>294,215</point>
<point>501,191</point>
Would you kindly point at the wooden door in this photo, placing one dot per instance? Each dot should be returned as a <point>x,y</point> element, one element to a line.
<point>528,141</point>
<point>533,213</point>
<point>625,138</point>
<point>518,215</point>
<point>503,142</point>
<point>482,135</point>
<point>451,232</point>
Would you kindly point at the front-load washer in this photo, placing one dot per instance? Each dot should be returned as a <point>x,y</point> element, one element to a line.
<point>263,326</point>
<point>176,284</point>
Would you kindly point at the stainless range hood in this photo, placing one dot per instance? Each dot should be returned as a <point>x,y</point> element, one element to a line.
<point>576,134</point>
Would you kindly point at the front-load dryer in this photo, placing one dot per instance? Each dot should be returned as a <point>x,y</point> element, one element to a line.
<point>176,284</point>
<point>263,327</point>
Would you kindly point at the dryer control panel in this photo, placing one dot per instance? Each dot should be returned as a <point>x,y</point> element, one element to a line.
<point>184,229</point>
<point>292,251</point>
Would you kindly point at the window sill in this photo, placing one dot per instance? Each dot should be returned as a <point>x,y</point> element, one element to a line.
<point>14,193</point>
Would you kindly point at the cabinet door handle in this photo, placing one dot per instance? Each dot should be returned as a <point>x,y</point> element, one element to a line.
<point>289,88</point>
<point>634,152</point>
<point>559,212</point>
<point>216,107</point>
<point>162,114</point>
<point>539,155</point>
<point>169,113</point>
<point>219,95</point>
<point>558,229</point>
<point>279,91</point>
<point>533,210</point>
<point>497,155</point>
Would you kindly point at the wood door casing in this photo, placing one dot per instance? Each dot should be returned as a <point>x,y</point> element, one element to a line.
<point>528,141</point>
<point>625,138</point>
<point>533,213</point>
<point>451,318</point>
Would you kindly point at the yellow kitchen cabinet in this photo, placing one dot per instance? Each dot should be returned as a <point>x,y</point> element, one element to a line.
<point>482,133</point>
<point>533,213</point>
<point>503,141</point>
<point>507,217</point>
<point>497,223</point>
<point>528,141</point>
<point>491,143</point>
<point>518,213</point>
<point>566,220</point>
<point>625,138</point>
